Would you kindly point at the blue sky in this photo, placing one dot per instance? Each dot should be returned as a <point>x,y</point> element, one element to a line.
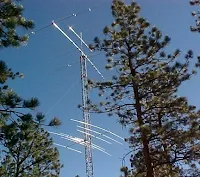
<point>46,58</point>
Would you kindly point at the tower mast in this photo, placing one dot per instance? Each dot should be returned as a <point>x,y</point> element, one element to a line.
<point>86,116</point>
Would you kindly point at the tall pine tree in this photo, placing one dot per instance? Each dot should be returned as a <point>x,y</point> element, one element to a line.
<point>26,148</point>
<point>165,135</point>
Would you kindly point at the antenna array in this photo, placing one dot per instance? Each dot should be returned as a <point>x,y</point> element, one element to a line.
<point>86,124</point>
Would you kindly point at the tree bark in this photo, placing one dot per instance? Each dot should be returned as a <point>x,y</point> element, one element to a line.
<point>146,151</point>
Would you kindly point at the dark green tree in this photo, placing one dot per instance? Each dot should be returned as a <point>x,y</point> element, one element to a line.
<point>165,135</point>
<point>10,19</point>
<point>26,148</point>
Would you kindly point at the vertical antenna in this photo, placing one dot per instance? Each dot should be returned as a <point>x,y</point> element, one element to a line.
<point>86,116</point>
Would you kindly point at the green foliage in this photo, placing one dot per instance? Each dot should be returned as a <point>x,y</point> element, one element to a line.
<point>143,94</point>
<point>26,148</point>
<point>10,19</point>
<point>125,172</point>
<point>5,73</point>
<point>55,122</point>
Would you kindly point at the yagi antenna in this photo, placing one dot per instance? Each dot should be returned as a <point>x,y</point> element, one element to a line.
<point>94,136</point>
<point>82,142</point>
<point>78,48</point>
<point>100,134</point>
<point>59,134</point>
<point>78,141</point>
<point>97,127</point>
<point>71,29</point>
<point>67,148</point>
<point>86,116</point>
<point>63,145</point>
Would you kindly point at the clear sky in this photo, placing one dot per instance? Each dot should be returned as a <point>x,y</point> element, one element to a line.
<point>52,73</point>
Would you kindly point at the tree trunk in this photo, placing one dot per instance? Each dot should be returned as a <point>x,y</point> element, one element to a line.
<point>143,135</point>
<point>146,151</point>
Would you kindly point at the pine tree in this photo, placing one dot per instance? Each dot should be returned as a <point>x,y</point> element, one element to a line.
<point>26,148</point>
<point>196,14</point>
<point>165,135</point>
<point>10,19</point>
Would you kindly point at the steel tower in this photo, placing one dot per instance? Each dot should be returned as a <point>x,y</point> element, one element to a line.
<point>86,118</point>
<point>86,115</point>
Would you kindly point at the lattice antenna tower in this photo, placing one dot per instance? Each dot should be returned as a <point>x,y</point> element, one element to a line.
<point>86,115</point>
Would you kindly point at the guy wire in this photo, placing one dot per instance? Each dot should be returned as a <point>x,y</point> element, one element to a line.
<point>64,18</point>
